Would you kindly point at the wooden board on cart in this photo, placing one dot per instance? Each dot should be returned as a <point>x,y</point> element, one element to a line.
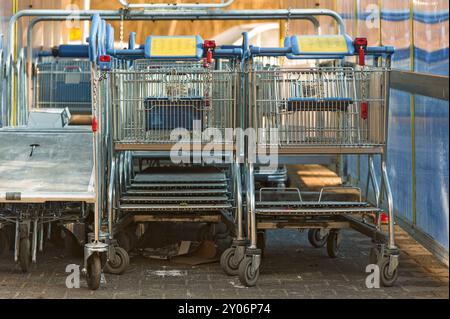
<point>313,177</point>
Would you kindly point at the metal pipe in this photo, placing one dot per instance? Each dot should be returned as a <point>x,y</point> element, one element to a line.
<point>238,193</point>
<point>293,14</point>
<point>128,5</point>
<point>41,234</point>
<point>112,180</point>
<point>374,181</point>
<point>251,207</point>
<point>17,240</point>
<point>390,203</point>
<point>35,21</point>
<point>34,240</point>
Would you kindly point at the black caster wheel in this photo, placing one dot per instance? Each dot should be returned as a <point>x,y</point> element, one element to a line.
<point>4,242</point>
<point>387,280</point>
<point>229,266</point>
<point>93,271</point>
<point>25,254</point>
<point>71,245</point>
<point>333,243</point>
<point>247,276</point>
<point>316,239</point>
<point>124,240</point>
<point>118,264</point>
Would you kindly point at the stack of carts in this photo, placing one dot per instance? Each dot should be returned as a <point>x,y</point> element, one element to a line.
<point>49,162</point>
<point>162,105</point>
<point>177,127</point>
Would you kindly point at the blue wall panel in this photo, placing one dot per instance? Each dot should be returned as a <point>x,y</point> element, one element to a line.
<point>432,167</point>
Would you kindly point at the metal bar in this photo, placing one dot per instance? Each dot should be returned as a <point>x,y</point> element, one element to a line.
<point>390,202</point>
<point>292,224</point>
<point>177,218</point>
<point>366,229</point>
<point>177,15</point>
<point>128,5</point>
<point>431,85</point>
<point>412,109</point>
<point>49,197</point>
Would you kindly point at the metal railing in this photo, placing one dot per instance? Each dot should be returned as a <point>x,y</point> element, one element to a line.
<point>175,5</point>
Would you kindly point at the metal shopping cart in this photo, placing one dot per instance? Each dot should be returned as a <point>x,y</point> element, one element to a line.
<point>63,79</point>
<point>171,96</point>
<point>313,110</point>
<point>45,184</point>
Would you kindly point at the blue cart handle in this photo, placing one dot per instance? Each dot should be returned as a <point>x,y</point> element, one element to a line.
<point>132,41</point>
<point>93,35</point>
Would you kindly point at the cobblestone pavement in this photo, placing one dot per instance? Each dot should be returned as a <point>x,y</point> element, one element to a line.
<point>291,269</point>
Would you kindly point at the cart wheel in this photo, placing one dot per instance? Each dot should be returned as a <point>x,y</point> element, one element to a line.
<point>124,240</point>
<point>93,271</point>
<point>387,280</point>
<point>226,262</point>
<point>315,238</point>
<point>71,245</point>
<point>25,254</point>
<point>333,243</point>
<point>4,242</point>
<point>119,263</point>
<point>247,276</point>
<point>261,242</point>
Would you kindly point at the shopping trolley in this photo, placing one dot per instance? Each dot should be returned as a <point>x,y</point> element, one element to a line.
<point>148,102</point>
<point>63,79</point>
<point>337,109</point>
<point>45,185</point>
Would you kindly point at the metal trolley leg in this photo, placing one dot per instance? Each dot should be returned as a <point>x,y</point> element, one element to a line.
<point>232,257</point>
<point>249,267</point>
<point>386,255</point>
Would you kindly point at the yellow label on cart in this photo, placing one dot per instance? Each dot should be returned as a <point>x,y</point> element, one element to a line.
<point>322,44</point>
<point>75,34</point>
<point>174,46</point>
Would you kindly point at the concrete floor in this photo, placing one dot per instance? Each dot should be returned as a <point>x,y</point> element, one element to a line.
<point>291,269</point>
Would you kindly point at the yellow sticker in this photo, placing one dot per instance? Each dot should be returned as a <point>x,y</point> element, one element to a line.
<point>174,46</point>
<point>75,34</point>
<point>323,44</point>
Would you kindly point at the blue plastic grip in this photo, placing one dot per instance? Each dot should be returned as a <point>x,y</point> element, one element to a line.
<point>101,48</point>
<point>132,41</point>
<point>93,35</point>
<point>109,37</point>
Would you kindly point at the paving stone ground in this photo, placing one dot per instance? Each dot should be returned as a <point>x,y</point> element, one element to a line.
<point>291,269</point>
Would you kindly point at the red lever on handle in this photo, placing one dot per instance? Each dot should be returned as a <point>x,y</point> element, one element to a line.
<point>209,46</point>
<point>94,124</point>
<point>360,46</point>
<point>364,113</point>
<point>362,57</point>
